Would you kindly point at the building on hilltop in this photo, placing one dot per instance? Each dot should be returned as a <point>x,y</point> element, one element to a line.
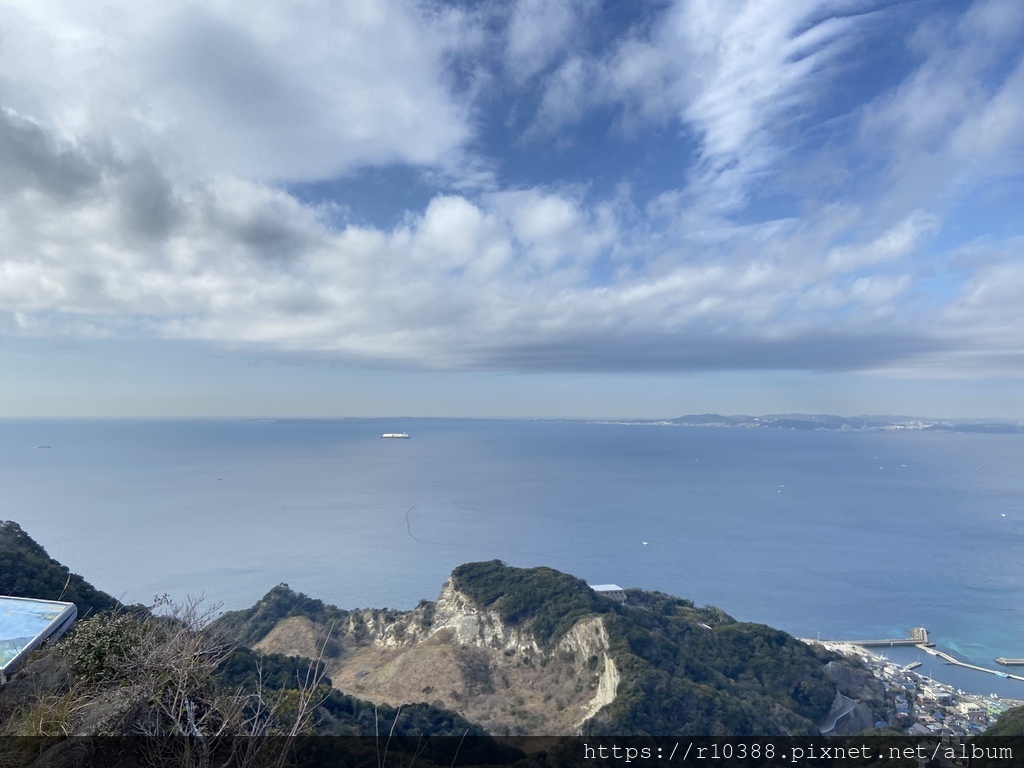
<point>613,591</point>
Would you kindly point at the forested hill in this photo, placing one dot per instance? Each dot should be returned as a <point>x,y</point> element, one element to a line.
<point>683,669</point>
<point>27,571</point>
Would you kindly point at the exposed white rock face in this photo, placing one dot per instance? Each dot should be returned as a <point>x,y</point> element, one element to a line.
<point>473,625</point>
<point>463,656</point>
<point>587,639</point>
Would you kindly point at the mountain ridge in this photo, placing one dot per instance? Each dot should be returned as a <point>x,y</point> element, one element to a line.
<point>521,649</point>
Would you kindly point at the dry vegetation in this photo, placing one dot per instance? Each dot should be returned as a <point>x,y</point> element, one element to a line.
<point>153,677</point>
<point>488,674</point>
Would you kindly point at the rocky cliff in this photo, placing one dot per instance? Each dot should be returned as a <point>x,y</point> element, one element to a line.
<point>461,656</point>
<point>535,651</point>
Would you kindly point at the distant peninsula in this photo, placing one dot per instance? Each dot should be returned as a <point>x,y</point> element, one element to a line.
<point>817,422</point>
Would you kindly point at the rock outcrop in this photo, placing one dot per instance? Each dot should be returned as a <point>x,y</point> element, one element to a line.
<point>855,682</point>
<point>460,656</point>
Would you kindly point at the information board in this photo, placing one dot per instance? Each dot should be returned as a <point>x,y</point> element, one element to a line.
<point>25,624</point>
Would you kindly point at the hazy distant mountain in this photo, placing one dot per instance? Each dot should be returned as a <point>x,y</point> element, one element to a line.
<point>810,422</point>
<point>711,420</point>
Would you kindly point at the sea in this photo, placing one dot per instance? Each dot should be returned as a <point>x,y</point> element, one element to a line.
<point>837,535</point>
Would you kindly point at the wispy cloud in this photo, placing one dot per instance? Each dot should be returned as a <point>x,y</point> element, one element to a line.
<point>738,78</point>
<point>540,32</point>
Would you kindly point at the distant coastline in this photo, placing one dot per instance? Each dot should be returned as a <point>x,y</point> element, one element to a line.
<point>785,421</point>
<point>801,422</point>
<point>824,422</point>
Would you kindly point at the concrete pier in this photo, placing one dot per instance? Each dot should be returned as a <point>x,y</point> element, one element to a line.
<point>916,636</point>
<point>950,660</point>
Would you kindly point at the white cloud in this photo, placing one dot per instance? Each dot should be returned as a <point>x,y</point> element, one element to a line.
<point>567,94</point>
<point>239,262</point>
<point>540,31</point>
<point>952,124</point>
<point>991,302</point>
<point>465,283</point>
<point>897,242</point>
<point>991,132</point>
<point>140,154</point>
<point>253,89</point>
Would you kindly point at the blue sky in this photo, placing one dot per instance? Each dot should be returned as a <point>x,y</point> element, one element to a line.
<point>557,208</point>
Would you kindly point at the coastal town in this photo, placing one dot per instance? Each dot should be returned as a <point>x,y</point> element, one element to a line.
<point>922,706</point>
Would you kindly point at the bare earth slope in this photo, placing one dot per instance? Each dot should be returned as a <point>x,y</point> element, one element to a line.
<point>458,656</point>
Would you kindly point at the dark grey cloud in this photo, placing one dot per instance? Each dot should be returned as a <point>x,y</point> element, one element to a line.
<point>302,303</point>
<point>669,353</point>
<point>280,239</point>
<point>30,159</point>
<point>207,66</point>
<point>274,230</point>
<point>149,208</point>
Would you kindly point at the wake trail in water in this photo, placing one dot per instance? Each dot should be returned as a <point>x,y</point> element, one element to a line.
<point>408,528</point>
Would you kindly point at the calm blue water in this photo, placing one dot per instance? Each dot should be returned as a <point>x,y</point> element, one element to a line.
<point>846,534</point>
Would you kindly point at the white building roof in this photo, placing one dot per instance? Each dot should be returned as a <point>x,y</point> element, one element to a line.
<point>606,587</point>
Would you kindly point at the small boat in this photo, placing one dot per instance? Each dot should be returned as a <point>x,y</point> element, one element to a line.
<point>1002,674</point>
<point>398,435</point>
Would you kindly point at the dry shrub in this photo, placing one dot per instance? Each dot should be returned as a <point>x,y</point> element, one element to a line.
<point>151,676</point>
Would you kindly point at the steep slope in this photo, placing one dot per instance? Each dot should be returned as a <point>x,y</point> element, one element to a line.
<point>698,671</point>
<point>27,571</point>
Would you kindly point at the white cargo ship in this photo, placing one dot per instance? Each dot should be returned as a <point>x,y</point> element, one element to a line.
<point>399,435</point>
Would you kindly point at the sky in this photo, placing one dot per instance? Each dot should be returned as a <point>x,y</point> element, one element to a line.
<point>541,208</point>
